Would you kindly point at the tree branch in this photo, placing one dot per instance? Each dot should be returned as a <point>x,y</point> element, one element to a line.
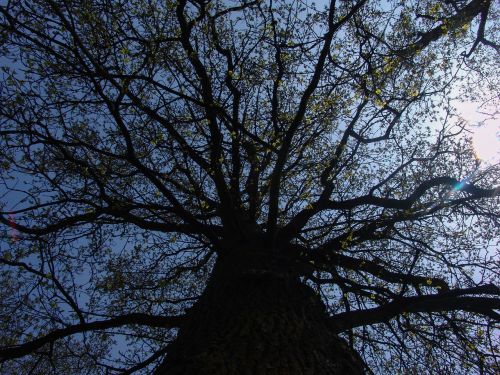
<point>274,190</point>
<point>448,301</point>
<point>462,17</point>
<point>301,219</point>
<point>17,351</point>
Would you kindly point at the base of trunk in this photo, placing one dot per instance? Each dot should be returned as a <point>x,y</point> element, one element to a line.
<point>253,321</point>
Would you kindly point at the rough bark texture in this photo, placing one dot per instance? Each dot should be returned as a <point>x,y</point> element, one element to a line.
<point>255,317</point>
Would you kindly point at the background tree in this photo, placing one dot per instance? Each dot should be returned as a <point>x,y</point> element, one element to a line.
<point>286,182</point>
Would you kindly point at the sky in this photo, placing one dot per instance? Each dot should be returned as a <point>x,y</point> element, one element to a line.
<point>486,138</point>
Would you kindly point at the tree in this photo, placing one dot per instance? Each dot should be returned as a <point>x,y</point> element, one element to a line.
<point>254,187</point>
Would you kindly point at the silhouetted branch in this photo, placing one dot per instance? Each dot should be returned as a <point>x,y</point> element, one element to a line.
<point>449,301</point>
<point>16,351</point>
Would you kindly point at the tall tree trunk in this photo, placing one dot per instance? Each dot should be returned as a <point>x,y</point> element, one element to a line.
<point>256,317</point>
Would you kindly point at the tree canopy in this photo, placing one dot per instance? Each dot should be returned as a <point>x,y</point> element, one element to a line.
<point>144,140</point>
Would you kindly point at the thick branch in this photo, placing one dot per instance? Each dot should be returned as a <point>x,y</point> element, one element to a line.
<point>300,220</point>
<point>462,17</point>
<point>381,272</point>
<point>17,351</point>
<point>449,301</point>
<point>404,204</point>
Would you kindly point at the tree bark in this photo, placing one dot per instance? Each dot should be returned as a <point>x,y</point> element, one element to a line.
<point>256,317</point>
